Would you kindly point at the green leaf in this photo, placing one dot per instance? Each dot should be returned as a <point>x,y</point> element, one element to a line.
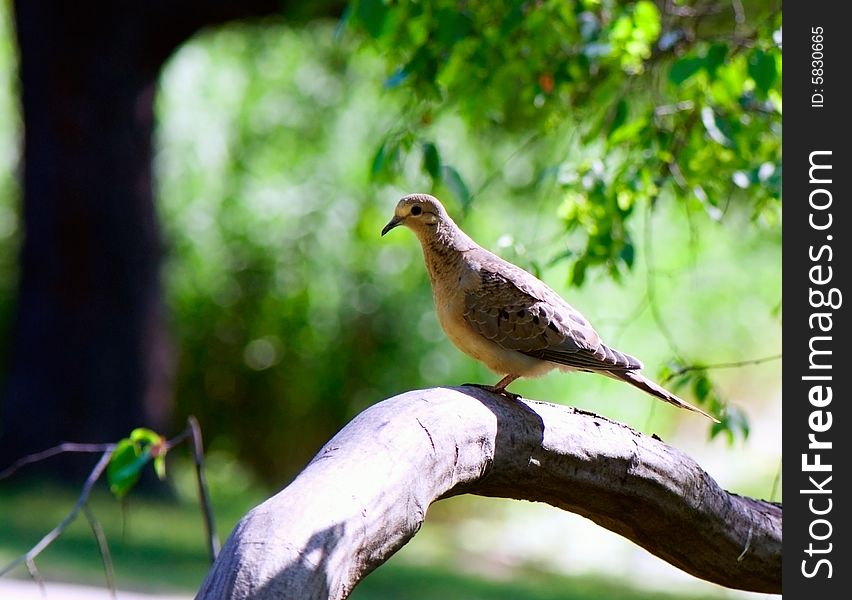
<point>628,131</point>
<point>385,161</point>
<point>431,161</point>
<point>739,420</point>
<point>130,456</point>
<point>628,254</point>
<point>732,422</point>
<point>715,57</point>
<point>379,159</point>
<point>647,18</point>
<point>619,118</point>
<point>145,437</point>
<point>578,272</point>
<point>454,182</point>
<point>423,64</point>
<point>685,68</point>
<point>453,26</point>
<point>160,466</point>
<point>762,68</point>
<point>621,28</point>
<point>371,14</point>
<point>514,17</point>
<point>124,467</point>
<point>702,387</point>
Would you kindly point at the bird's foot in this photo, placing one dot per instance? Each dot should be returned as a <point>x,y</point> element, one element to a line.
<point>494,390</point>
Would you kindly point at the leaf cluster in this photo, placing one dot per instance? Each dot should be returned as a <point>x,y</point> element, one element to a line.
<point>673,98</point>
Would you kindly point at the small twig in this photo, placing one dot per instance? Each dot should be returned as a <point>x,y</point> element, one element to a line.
<point>688,12</point>
<point>677,175</point>
<point>670,109</point>
<point>620,325</point>
<point>36,576</point>
<point>203,493</point>
<point>69,518</point>
<point>50,452</point>
<point>725,365</point>
<point>775,482</point>
<point>495,174</point>
<point>179,438</point>
<point>739,13</point>
<point>103,548</point>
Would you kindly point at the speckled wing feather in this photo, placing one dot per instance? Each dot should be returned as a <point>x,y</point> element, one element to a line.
<point>519,312</point>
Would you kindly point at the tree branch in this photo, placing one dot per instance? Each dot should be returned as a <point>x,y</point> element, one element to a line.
<point>50,452</point>
<point>725,365</point>
<point>366,493</point>
<point>201,484</point>
<point>54,533</point>
<point>103,548</point>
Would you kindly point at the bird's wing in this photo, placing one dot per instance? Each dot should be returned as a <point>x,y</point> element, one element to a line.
<point>519,312</point>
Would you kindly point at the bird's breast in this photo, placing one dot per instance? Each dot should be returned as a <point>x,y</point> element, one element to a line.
<point>450,308</point>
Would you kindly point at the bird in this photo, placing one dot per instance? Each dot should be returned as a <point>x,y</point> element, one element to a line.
<point>504,316</point>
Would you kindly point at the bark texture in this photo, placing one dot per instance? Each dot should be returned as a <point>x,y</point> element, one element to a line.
<point>366,493</point>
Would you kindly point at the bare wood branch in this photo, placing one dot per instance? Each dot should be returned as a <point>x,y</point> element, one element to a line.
<point>203,494</point>
<point>36,576</point>
<point>54,533</point>
<point>103,548</point>
<point>366,493</point>
<point>192,431</point>
<point>50,452</point>
<point>725,365</point>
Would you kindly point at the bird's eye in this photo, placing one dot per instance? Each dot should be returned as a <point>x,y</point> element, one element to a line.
<point>416,210</point>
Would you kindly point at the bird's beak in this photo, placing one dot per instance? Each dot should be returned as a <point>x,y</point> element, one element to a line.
<point>395,222</point>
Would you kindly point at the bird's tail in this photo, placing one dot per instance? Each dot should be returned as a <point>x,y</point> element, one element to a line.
<point>636,379</point>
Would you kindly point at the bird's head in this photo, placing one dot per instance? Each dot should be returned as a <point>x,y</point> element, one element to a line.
<point>419,212</point>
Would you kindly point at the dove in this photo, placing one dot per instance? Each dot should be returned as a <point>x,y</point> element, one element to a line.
<point>504,316</point>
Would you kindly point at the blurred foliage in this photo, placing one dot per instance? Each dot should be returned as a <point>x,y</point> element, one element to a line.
<point>288,313</point>
<point>681,97</point>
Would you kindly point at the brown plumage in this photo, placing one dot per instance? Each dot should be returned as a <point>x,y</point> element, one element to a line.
<point>504,316</point>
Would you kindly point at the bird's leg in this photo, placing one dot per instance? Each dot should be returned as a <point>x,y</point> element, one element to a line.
<point>500,387</point>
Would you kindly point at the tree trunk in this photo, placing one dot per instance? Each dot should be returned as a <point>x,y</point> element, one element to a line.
<point>367,491</point>
<point>90,358</point>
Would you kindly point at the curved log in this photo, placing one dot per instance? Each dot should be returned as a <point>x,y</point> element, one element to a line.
<point>365,494</point>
